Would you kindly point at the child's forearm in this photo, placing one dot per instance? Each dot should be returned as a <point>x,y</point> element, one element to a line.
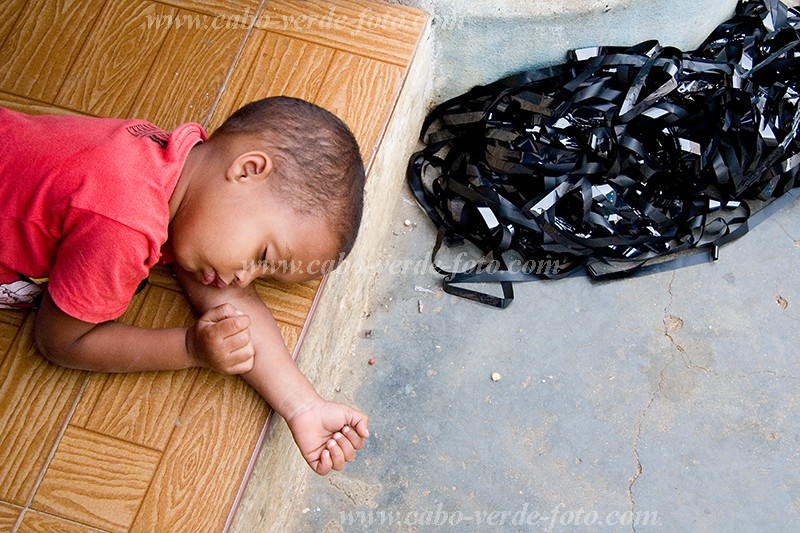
<point>115,347</point>
<point>110,346</point>
<point>274,375</point>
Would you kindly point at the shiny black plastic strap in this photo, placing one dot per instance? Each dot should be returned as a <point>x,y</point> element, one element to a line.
<point>620,160</point>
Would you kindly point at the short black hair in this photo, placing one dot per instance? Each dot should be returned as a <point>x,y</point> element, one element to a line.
<point>316,160</point>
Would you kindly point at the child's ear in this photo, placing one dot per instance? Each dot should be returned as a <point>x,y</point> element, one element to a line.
<point>250,166</point>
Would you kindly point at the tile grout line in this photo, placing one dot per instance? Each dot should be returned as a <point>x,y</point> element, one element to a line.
<point>50,105</point>
<point>194,9</point>
<point>62,519</point>
<point>285,33</point>
<point>55,446</point>
<point>224,86</point>
<point>135,99</point>
<point>21,516</point>
<point>96,400</point>
<point>164,452</point>
<point>296,37</point>
<point>114,437</point>
<point>324,77</point>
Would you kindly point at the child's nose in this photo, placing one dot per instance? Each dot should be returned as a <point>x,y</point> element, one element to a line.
<point>243,278</point>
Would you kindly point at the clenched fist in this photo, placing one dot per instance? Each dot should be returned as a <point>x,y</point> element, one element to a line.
<point>220,340</point>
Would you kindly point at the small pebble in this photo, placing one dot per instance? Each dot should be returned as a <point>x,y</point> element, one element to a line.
<point>407,223</point>
<point>371,361</point>
<point>495,376</point>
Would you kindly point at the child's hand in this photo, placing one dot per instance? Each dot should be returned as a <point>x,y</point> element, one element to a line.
<point>328,435</point>
<point>221,341</point>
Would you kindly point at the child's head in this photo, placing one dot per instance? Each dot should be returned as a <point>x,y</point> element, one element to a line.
<point>281,180</point>
<point>317,167</point>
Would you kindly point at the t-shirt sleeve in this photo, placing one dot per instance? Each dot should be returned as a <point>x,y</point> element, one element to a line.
<point>98,266</point>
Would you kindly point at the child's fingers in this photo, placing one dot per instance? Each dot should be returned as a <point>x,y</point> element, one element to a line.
<point>352,436</point>
<point>232,326</point>
<point>337,455</point>
<point>325,463</point>
<point>241,367</point>
<point>237,341</point>
<point>361,426</point>
<point>347,447</point>
<point>220,312</point>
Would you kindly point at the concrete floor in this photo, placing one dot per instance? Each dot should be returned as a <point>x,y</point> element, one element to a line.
<point>666,402</point>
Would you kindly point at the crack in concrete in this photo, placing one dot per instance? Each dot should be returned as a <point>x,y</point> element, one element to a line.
<point>795,241</point>
<point>671,323</point>
<point>344,492</point>
<point>748,375</point>
<point>640,424</point>
<point>684,355</point>
<point>359,493</point>
<point>675,323</point>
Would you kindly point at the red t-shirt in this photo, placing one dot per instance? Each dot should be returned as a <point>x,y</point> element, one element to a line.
<point>85,203</point>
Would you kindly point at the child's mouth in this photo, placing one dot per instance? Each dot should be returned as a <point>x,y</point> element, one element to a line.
<point>212,278</point>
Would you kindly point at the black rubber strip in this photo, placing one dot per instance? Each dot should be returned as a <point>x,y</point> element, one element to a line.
<point>619,161</point>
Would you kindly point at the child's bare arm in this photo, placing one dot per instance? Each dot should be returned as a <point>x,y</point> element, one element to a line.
<point>327,433</point>
<point>219,340</point>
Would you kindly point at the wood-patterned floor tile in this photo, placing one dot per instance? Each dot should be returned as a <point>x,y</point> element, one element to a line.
<point>32,107</point>
<point>132,312</point>
<point>44,42</point>
<point>176,90</point>
<point>289,303</point>
<point>7,334</point>
<point>164,308</point>
<point>36,398</point>
<point>141,408</point>
<point>161,276</point>
<point>273,65</point>
<point>95,383</point>
<point>222,12</point>
<point>290,334</point>
<point>361,92</point>
<point>198,477</point>
<point>34,522</point>
<point>383,31</point>
<point>115,59</point>
<point>9,316</point>
<point>96,480</point>
<point>8,516</point>
<point>11,9</point>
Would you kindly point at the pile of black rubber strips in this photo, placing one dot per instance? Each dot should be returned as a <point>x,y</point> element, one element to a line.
<point>617,160</point>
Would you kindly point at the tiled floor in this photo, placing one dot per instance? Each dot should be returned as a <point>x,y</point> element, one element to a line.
<point>167,451</point>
